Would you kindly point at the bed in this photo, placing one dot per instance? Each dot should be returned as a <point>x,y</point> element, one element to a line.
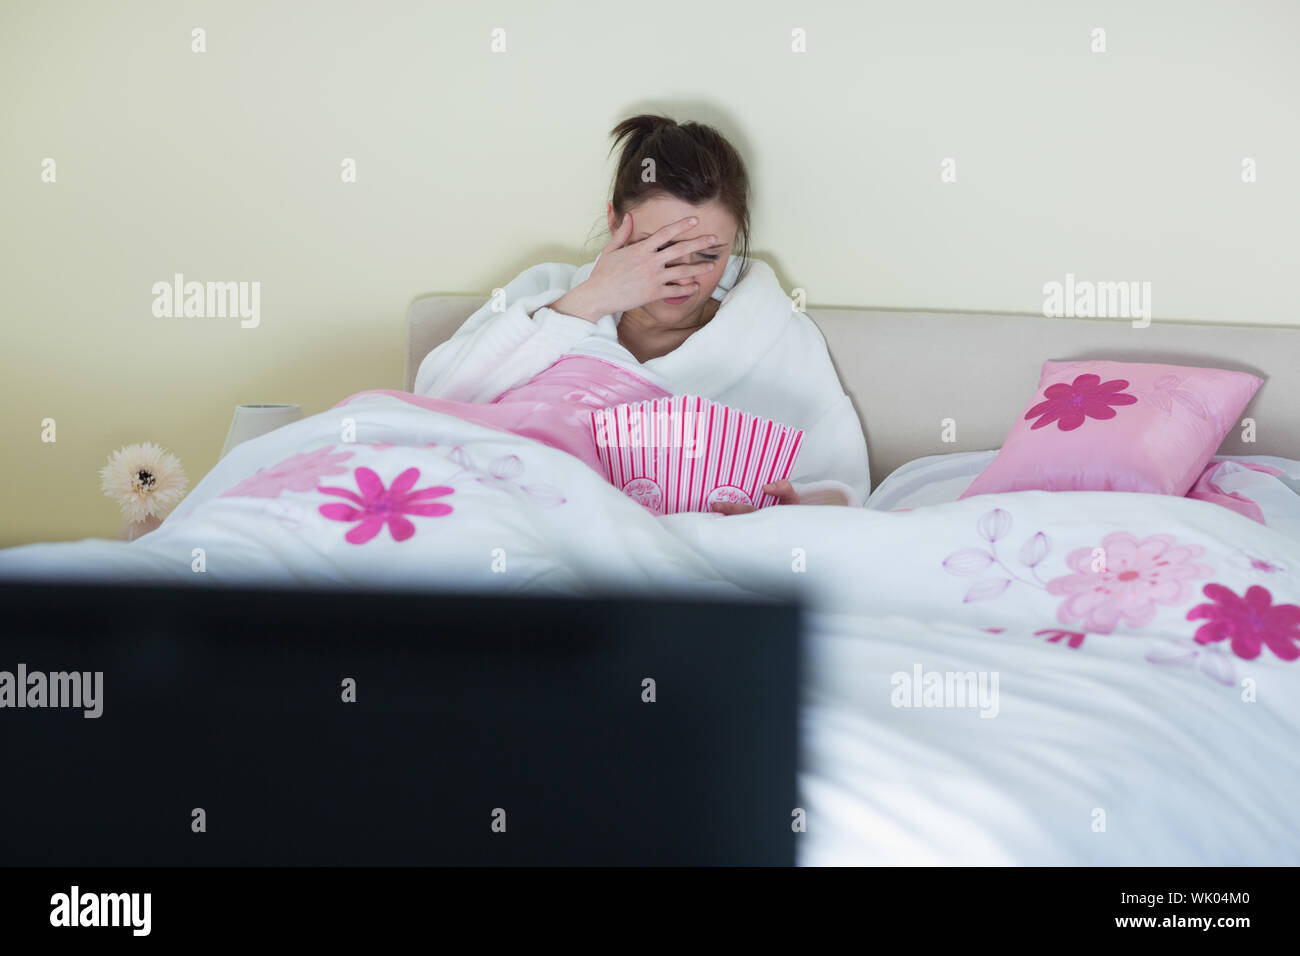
<point>977,367</point>
<point>955,708</point>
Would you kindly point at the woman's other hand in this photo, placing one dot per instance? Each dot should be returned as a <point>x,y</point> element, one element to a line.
<point>782,490</point>
<point>628,275</point>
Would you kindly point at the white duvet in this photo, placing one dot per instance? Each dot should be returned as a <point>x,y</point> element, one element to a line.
<point>1010,679</point>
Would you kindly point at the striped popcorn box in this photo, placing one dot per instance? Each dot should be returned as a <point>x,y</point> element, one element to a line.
<point>685,452</point>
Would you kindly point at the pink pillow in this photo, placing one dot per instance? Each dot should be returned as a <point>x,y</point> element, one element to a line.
<point>1118,426</point>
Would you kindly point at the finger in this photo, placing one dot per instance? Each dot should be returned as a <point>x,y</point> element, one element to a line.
<point>731,508</point>
<point>619,237</point>
<point>670,231</point>
<point>688,270</point>
<point>687,246</point>
<point>783,491</point>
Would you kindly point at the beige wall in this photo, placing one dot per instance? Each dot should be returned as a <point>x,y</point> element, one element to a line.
<point>472,165</point>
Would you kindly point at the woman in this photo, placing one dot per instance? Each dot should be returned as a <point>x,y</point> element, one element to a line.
<point>667,301</point>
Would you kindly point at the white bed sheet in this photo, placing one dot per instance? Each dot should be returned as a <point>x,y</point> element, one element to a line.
<point>1187,748</point>
<point>937,479</point>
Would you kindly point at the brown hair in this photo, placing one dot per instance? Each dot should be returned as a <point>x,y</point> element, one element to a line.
<point>692,162</point>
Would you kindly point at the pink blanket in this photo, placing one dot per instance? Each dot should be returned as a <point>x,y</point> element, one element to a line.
<point>1207,490</point>
<point>554,407</point>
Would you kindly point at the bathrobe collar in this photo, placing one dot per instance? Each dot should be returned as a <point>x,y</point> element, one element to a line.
<point>754,313</point>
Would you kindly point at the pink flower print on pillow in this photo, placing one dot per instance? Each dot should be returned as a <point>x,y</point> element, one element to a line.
<point>1168,389</point>
<point>1250,622</point>
<point>1126,581</point>
<point>1086,397</point>
<point>301,472</point>
<point>377,506</point>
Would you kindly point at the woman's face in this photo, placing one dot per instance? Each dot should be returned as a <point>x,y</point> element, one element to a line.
<point>651,215</point>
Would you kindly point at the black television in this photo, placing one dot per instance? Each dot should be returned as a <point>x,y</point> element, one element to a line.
<point>198,726</point>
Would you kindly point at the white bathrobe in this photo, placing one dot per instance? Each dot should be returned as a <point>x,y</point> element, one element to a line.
<point>757,354</point>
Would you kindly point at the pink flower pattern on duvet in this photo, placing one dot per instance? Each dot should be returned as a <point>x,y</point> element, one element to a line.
<point>1211,660</point>
<point>1250,622</point>
<point>301,472</point>
<point>1069,406</point>
<point>1074,639</point>
<point>377,506</point>
<point>1125,580</point>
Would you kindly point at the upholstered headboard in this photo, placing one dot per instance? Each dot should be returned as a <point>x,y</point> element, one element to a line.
<point>908,371</point>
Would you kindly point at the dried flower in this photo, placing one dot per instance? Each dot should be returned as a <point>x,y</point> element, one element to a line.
<point>146,481</point>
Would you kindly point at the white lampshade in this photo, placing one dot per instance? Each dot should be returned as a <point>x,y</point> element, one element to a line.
<point>253,420</point>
